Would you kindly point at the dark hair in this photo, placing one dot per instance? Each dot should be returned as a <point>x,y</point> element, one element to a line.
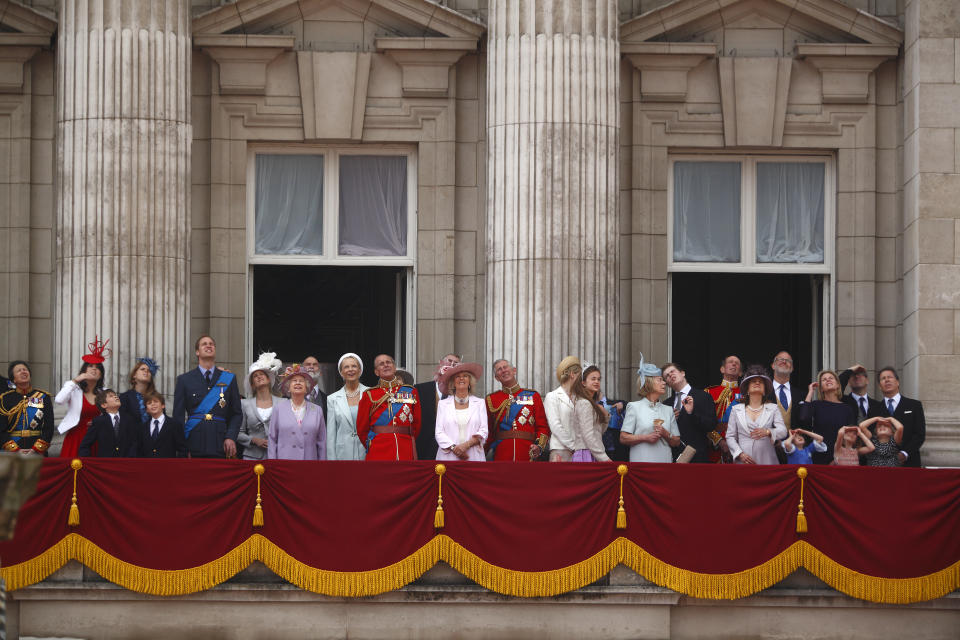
<point>151,387</point>
<point>102,395</point>
<point>582,391</point>
<point>196,345</point>
<point>583,378</point>
<point>99,383</point>
<point>678,367</point>
<point>405,376</point>
<point>757,370</point>
<point>891,370</point>
<point>154,395</point>
<point>15,363</point>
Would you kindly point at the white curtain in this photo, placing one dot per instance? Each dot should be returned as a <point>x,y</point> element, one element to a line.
<point>289,204</point>
<point>373,206</point>
<point>790,212</point>
<point>706,211</point>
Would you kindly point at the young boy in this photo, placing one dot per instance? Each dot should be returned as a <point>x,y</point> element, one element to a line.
<point>114,434</point>
<point>160,436</point>
<point>801,444</point>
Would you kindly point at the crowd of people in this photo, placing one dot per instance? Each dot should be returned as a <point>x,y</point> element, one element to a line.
<point>753,416</point>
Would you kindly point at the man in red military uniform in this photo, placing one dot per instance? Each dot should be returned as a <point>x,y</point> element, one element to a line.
<point>388,418</point>
<point>725,395</point>
<point>518,424</point>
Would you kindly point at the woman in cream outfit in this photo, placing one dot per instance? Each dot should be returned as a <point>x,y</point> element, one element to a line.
<point>574,433</point>
<point>461,427</point>
<point>342,440</point>
<point>755,424</point>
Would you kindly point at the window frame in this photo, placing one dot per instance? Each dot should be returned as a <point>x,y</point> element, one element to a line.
<point>331,225</point>
<point>331,204</point>
<point>748,215</point>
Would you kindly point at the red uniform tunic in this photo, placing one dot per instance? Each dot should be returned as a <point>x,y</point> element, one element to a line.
<point>517,423</point>
<point>725,395</point>
<point>388,421</point>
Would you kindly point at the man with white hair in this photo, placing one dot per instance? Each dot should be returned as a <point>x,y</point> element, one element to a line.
<point>317,396</point>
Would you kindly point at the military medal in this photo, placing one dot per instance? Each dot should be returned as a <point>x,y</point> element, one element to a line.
<point>222,403</point>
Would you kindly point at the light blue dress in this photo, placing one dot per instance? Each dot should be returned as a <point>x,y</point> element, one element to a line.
<point>638,421</point>
<point>342,440</point>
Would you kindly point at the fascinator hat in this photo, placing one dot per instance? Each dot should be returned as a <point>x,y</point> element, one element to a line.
<point>98,351</point>
<point>152,366</point>
<point>565,365</point>
<point>647,370</point>
<point>269,364</point>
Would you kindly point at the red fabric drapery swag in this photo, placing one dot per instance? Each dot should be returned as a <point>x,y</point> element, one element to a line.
<point>169,527</point>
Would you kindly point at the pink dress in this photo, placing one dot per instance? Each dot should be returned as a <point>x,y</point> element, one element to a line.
<point>71,441</point>
<point>847,457</point>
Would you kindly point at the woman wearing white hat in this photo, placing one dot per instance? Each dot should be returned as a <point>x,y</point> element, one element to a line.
<point>257,406</point>
<point>342,440</point>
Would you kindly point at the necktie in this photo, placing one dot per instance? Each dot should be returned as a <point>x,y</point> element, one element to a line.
<point>679,401</point>
<point>116,426</point>
<point>890,406</point>
<point>156,429</point>
<point>207,377</point>
<point>783,397</point>
<point>863,407</point>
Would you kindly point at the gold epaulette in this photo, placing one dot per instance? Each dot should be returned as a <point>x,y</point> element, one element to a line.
<point>41,445</point>
<point>10,445</point>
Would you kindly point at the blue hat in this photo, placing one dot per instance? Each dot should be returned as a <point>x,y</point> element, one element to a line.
<point>151,365</point>
<point>647,369</point>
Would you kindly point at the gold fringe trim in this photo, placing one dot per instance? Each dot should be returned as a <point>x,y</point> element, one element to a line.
<point>525,584</point>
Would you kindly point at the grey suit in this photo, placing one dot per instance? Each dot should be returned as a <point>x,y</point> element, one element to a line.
<point>252,427</point>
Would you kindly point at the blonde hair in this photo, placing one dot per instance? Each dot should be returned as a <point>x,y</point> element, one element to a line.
<point>645,388</point>
<point>471,382</point>
<point>835,377</point>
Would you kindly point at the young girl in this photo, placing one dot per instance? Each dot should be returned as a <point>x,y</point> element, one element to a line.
<point>801,444</point>
<point>846,452</point>
<point>885,440</point>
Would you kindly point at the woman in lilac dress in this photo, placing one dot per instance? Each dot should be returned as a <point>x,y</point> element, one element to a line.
<point>297,427</point>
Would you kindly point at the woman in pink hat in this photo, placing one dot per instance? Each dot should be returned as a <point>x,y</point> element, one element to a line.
<point>461,427</point>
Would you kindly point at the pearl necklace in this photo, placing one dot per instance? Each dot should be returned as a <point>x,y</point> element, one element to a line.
<point>462,402</point>
<point>351,395</point>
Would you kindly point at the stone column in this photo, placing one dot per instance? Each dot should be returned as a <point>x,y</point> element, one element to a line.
<point>123,171</point>
<point>552,135</point>
<point>931,221</point>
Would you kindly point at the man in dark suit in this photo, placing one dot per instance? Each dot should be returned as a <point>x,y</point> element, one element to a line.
<point>312,366</point>
<point>160,436</point>
<point>207,399</point>
<point>908,411</point>
<point>114,433</point>
<point>864,406</point>
<point>694,409</point>
<point>788,398</point>
<point>429,397</point>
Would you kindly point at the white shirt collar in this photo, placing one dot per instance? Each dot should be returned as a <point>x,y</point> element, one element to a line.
<point>895,398</point>
<point>777,385</point>
<point>686,390</point>
<point>160,418</point>
<point>857,397</point>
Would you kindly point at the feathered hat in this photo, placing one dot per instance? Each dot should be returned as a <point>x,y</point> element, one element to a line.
<point>269,364</point>
<point>98,351</point>
<point>646,369</point>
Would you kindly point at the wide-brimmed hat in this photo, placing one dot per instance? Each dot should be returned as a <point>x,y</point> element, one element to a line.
<point>291,372</point>
<point>269,364</point>
<point>760,372</point>
<point>447,372</point>
<point>566,363</point>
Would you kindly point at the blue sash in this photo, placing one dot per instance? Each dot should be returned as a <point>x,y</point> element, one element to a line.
<point>390,410</point>
<point>206,405</point>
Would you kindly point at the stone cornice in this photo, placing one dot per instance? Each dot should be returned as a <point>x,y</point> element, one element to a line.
<point>664,66</point>
<point>425,62</point>
<point>845,68</point>
<point>243,59</point>
<point>26,19</point>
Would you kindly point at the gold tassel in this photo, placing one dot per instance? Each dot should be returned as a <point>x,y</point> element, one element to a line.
<point>258,510</point>
<point>73,519</point>
<point>801,517</point>
<point>621,514</point>
<point>438,516</point>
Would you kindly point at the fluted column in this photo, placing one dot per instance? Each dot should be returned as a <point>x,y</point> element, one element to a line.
<point>123,171</point>
<point>552,207</point>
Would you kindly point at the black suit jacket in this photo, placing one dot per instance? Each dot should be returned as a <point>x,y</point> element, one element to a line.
<point>206,438</point>
<point>695,426</point>
<point>910,413</point>
<point>874,406</point>
<point>109,446</point>
<point>130,405</point>
<point>427,438</point>
<point>170,443</point>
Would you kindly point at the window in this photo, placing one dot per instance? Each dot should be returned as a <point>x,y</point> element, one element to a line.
<point>342,205</point>
<point>762,213</point>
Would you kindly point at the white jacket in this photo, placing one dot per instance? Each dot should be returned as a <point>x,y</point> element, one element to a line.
<point>71,395</point>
